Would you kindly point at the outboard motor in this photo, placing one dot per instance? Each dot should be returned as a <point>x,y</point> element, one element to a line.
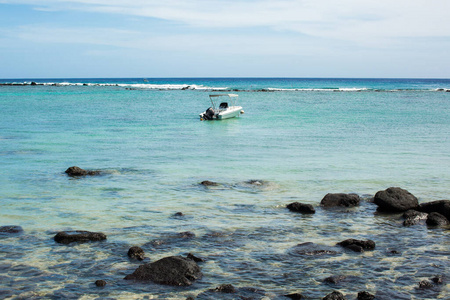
<point>209,114</point>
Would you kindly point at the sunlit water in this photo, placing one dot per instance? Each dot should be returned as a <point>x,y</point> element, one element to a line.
<point>300,142</point>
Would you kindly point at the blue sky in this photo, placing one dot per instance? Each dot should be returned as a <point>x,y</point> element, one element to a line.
<point>224,38</point>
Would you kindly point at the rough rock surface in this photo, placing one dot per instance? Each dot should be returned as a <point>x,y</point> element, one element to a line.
<point>395,199</point>
<point>365,296</point>
<point>301,208</point>
<point>209,183</point>
<point>172,270</point>
<point>10,229</point>
<point>357,245</point>
<point>436,219</point>
<point>311,249</point>
<point>136,252</point>
<point>100,283</point>
<point>439,206</point>
<point>414,217</point>
<point>335,295</point>
<point>294,296</point>
<point>67,237</point>
<point>340,199</point>
<point>77,171</point>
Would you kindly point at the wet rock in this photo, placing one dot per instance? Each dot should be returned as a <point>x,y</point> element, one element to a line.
<point>10,229</point>
<point>255,182</point>
<point>438,279</point>
<point>414,217</point>
<point>395,199</point>
<point>178,214</point>
<point>425,284</point>
<point>301,208</point>
<point>311,249</point>
<point>439,206</point>
<point>340,200</point>
<point>335,295</point>
<point>172,270</point>
<point>136,252</point>
<point>77,171</point>
<point>294,296</point>
<point>226,288</point>
<point>365,296</point>
<point>357,245</point>
<point>67,237</point>
<point>186,235</point>
<point>100,283</point>
<point>335,279</point>
<point>229,292</point>
<point>436,219</point>
<point>33,83</point>
<point>194,258</point>
<point>209,183</point>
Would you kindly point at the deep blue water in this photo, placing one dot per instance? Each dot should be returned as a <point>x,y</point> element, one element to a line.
<point>299,138</point>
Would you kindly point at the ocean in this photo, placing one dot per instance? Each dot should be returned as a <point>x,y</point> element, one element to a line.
<point>298,140</point>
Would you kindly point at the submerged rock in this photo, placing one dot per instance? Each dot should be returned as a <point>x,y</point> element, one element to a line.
<point>230,292</point>
<point>335,295</point>
<point>77,171</point>
<point>172,270</point>
<point>436,219</point>
<point>209,183</point>
<point>301,208</point>
<point>294,296</point>
<point>67,237</point>
<point>395,199</point>
<point>194,258</point>
<point>226,288</point>
<point>136,252</point>
<point>439,206</point>
<point>311,249</point>
<point>340,200</point>
<point>357,245</point>
<point>414,217</point>
<point>335,279</point>
<point>100,283</point>
<point>10,229</point>
<point>425,284</point>
<point>365,296</point>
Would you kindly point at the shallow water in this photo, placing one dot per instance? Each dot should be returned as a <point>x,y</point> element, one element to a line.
<point>153,152</point>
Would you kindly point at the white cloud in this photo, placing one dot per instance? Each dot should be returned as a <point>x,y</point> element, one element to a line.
<point>344,19</point>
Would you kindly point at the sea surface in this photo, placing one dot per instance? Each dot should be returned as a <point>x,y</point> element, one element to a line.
<point>298,140</point>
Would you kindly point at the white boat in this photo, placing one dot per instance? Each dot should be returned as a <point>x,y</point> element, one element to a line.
<point>225,110</point>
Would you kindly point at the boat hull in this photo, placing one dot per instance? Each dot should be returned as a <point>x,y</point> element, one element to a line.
<point>228,113</point>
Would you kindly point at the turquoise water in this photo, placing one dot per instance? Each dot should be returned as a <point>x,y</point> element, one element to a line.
<point>300,138</point>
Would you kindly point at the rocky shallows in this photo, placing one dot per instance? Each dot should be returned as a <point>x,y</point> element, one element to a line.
<point>172,270</point>
<point>340,200</point>
<point>395,200</point>
<point>78,172</point>
<point>79,236</point>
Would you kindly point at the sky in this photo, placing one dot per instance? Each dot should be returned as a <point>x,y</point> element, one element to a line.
<point>224,38</point>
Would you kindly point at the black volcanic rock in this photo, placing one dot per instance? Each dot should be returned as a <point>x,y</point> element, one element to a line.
<point>414,217</point>
<point>10,229</point>
<point>172,270</point>
<point>439,206</point>
<point>335,295</point>
<point>340,200</point>
<point>136,252</point>
<point>395,199</point>
<point>365,296</point>
<point>77,171</point>
<point>436,219</point>
<point>357,245</point>
<point>67,237</point>
<point>301,208</point>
